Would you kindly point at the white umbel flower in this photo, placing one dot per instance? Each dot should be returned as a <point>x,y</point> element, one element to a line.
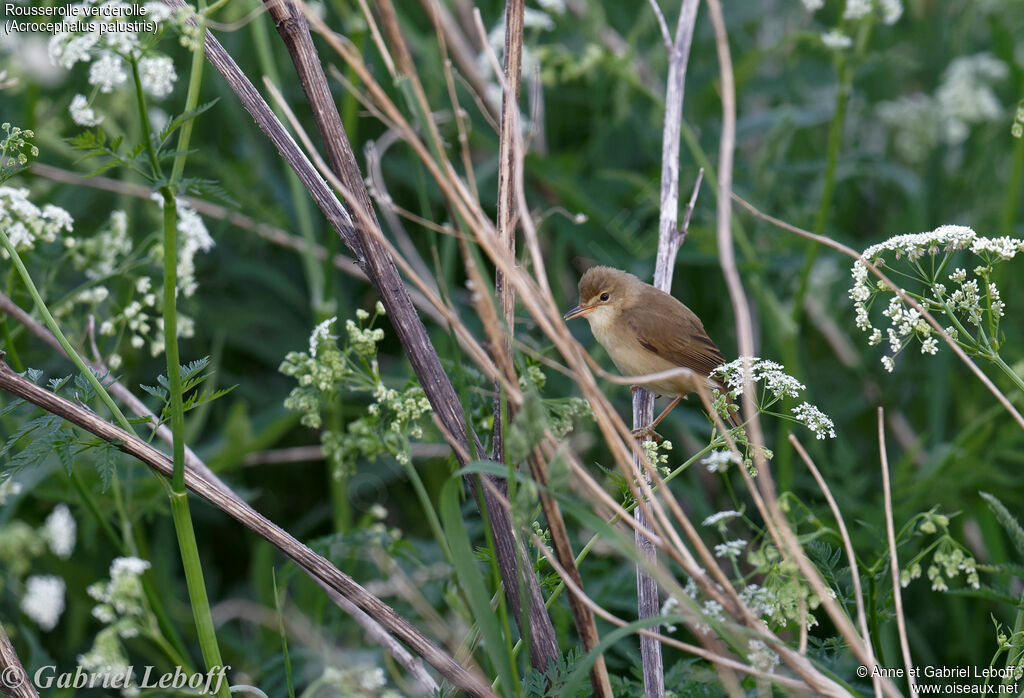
<point>43,601</point>
<point>60,531</point>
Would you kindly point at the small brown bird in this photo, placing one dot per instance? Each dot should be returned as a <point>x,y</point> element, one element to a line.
<point>645,330</point>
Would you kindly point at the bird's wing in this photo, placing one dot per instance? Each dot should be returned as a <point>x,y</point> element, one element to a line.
<point>666,327</point>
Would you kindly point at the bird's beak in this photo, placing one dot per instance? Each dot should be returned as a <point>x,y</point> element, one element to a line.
<point>578,311</point>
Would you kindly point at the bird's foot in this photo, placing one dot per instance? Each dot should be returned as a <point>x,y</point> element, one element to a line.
<point>647,434</point>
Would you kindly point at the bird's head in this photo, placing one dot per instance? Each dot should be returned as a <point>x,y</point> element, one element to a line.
<point>604,293</point>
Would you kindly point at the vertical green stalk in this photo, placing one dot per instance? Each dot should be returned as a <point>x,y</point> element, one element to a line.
<point>178,496</point>
<point>176,405</point>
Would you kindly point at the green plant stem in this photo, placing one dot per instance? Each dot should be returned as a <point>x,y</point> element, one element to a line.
<point>147,131</point>
<point>191,101</point>
<point>171,339</point>
<point>998,360</point>
<point>196,585</point>
<point>180,513</point>
<point>182,517</point>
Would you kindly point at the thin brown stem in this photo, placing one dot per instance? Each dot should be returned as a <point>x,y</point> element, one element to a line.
<point>894,564</point>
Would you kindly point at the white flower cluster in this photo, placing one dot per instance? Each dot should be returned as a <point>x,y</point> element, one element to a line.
<point>83,114</point>
<point>43,600</point>
<point>358,680</point>
<point>1017,130</point>
<point>836,40</point>
<point>815,420</point>
<point>121,600</point>
<point>854,11</point>
<point>8,488</point>
<point>26,224</point>
<point>100,255</point>
<point>720,460</point>
<point>964,97</point>
<point>760,657</point>
<point>122,609</point>
<point>730,549</point>
<point>972,299</point>
<point>776,380</point>
<point>108,49</point>
<point>60,531</point>
<point>775,385</point>
<point>321,333</point>
<point>657,454</point>
<point>720,518</point>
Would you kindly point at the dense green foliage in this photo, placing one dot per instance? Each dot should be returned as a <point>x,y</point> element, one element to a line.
<point>923,141</point>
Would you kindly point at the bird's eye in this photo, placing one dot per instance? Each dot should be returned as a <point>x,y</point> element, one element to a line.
<point>604,296</point>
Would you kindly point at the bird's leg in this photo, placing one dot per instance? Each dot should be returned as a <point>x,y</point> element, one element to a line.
<point>648,431</point>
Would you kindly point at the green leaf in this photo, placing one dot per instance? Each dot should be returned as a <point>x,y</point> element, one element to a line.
<point>45,433</point>
<point>159,393</point>
<point>106,462</point>
<point>180,120</point>
<point>58,383</point>
<point>1007,521</point>
<point>471,582</point>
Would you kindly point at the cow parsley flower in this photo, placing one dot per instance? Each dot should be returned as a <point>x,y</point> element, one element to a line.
<point>108,72</point>
<point>836,40</point>
<point>81,113</point>
<point>157,76</point>
<point>721,517</point>
<point>26,224</point>
<point>719,460</point>
<point>730,549</point>
<point>773,384</point>
<point>60,530</point>
<point>971,301</point>
<point>43,600</point>
<point>815,420</point>
<point>855,9</point>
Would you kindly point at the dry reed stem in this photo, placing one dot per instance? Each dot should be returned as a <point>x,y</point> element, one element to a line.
<point>894,564</point>
<point>16,681</point>
<point>670,239</point>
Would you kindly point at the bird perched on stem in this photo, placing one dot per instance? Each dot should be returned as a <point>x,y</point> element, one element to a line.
<point>645,330</point>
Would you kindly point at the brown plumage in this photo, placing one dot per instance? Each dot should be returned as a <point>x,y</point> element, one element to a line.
<point>645,330</point>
